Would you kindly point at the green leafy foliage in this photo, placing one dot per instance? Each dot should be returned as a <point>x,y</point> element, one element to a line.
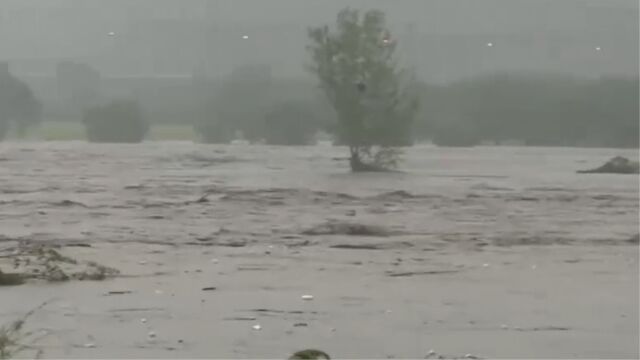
<point>357,72</point>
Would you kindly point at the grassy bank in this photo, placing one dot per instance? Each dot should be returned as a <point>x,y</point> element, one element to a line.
<point>67,131</point>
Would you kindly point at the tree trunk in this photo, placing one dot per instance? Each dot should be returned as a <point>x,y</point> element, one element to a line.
<point>357,165</point>
<point>354,160</point>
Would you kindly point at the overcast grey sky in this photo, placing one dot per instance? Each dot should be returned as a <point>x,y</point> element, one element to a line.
<point>442,39</point>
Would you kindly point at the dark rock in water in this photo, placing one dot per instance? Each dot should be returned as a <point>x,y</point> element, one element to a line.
<point>617,165</point>
<point>310,354</point>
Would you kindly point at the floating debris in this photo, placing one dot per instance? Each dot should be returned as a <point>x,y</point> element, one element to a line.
<point>37,261</point>
<point>257,327</point>
<point>118,292</point>
<point>241,318</point>
<point>345,228</point>
<point>617,165</point>
<point>307,297</point>
<point>416,273</point>
<point>544,328</point>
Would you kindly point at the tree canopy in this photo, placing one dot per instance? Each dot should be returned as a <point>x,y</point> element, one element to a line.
<point>357,71</point>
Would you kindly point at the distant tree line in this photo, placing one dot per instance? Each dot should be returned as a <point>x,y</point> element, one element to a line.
<point>259,107</point>
<point>359,95</point>
<point>19,107</point>
<point>120,121</point>
<point>536,110</point>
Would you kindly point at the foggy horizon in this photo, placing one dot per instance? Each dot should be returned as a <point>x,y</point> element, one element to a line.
<point>443,40</point>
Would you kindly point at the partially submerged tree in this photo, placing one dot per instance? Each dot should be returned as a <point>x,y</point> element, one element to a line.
<point>357,72</point>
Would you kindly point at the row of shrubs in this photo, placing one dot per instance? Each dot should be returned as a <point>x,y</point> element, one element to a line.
<point>533,109</point>
<point>124,121</point>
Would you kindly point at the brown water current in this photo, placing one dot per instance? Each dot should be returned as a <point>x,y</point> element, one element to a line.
<point>489,251</point>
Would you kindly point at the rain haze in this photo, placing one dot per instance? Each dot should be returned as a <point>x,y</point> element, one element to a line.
<point>301,179</point>
<point>443,40</point>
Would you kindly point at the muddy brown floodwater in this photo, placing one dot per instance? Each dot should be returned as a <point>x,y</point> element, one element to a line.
<point>213,251</point>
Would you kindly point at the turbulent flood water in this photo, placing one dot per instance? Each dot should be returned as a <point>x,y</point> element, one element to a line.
<point>207,250</point>
<point>173,192</point>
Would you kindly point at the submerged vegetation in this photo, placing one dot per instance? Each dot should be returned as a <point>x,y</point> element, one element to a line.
<point>356,67</point>
<point>14,340</point>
